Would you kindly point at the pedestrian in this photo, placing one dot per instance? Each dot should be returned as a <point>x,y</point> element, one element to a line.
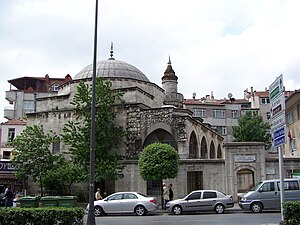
<point>98,194</point>
<point>165,196</point>
<point>171,193</point>
<point>8,197</point>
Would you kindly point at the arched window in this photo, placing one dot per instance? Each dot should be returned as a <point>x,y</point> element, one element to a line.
<point>204,154</point>
<point>219,152</point>
<point>193,146</point>
<point>212,150</point>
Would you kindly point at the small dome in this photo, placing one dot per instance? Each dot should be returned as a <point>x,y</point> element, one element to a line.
<point>112,68</point>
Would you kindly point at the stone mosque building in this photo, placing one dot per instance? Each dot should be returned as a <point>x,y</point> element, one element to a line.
<point>151,113</point>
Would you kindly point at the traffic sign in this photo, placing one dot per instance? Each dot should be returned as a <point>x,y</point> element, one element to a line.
<point>279,136</point>
<point>278,105</point>
<point>276,88</point>
<point>278,121</point>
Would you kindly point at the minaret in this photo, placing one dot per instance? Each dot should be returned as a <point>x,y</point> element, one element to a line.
<point>169,84</point>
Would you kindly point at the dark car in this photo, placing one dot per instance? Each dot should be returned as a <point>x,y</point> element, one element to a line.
<point>201,200</point>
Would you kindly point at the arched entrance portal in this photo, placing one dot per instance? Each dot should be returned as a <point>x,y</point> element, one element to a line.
<point>154,187</point>
<point>245,180</point>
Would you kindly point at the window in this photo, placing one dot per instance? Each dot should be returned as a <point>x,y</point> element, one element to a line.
<point>11,134</point>
<point>234,114</point>
<point>289,185</point>
<point>221,130</point>
<point>115,197</point>
<point>209,194</point>
<point>218,113</point>
<point>265,100</point>
<point>6,154</point>
<point>199,113</point>
<point>55,87</point>
<point>290,117</point>
<point>129,196</point>
<point>28,105</point>
<point>269,186</point>
<point>193,196</point>
<point>154,187</point>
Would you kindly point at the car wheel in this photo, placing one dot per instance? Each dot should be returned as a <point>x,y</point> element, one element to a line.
<point>98,211</point>
<point>256,207</point>
<point>177,210</point>
<point>219,208</point>
<point>140,210</point>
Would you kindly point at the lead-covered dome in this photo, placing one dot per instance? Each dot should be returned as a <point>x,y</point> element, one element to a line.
<point>112,68</point>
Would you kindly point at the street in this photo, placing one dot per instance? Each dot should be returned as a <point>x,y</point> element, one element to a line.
<point>229,218</point>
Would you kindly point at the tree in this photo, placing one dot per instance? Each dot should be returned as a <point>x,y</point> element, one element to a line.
<point>32,153</point>
<point>252,128</point>
<point>108,137</point>
<point>158,161</point>
<point>62,176</point>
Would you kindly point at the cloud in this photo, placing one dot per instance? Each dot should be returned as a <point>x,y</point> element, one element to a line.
<point>214,45</point>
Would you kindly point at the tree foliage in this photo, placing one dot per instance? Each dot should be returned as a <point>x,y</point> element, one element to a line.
<point>158,161</point>
<point>252,128</point>
<point>108,137</point>
<point>32,153</point>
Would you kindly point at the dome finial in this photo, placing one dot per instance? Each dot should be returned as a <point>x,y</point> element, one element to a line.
<point>111,51</point>
<point>169,60</point>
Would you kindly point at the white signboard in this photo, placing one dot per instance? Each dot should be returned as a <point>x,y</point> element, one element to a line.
<point>244,158</point>
<point>276,88</point>
<point>278,121</point>
<point>278,105</point>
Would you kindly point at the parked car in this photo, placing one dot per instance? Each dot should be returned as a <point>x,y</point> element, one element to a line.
<point>266,195</point>
<point>125,202</point>
<point>201,200</point>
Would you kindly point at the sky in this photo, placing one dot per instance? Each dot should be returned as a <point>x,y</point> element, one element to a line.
<point>215,46</point>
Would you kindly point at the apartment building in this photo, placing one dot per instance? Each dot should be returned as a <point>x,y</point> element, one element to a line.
<point>8,131</point>
<point>25,90</point>
<point>220,114</point>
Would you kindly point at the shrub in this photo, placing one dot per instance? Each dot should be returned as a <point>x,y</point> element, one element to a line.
<point>291,213</point>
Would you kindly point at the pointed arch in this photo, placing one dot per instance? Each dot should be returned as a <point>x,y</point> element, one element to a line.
<point>193,146</point>
<point>212,150</point>
<point>162,136</point>
<point>204,154</point>
<point>219,152</point>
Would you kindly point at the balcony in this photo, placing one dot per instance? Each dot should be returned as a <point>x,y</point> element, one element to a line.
<point>9,113</point>
<point>10,96</point>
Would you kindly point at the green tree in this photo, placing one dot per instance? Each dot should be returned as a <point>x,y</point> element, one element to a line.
<point>252,128</point>
<point>158,161</point>
<point>32,153</point>
<point>62,176</point>
<point>108,137</point>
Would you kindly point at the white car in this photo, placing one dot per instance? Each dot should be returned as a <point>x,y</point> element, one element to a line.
<point>125,202</point>
<point>201,200</point>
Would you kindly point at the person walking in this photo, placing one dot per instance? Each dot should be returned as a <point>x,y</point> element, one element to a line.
<point>165,196</point>
<point>8,197</point>
<point>98,194</point>
<point>171,193</point>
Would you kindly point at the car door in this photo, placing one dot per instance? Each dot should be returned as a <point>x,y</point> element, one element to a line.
<point>113,204</point>
<point>129,202</point>
<point>268,195</point>
<point>208,200</point>
<point>192,202</point>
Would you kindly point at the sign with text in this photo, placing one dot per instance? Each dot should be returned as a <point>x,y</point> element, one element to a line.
<point>278,105</point>
<point>278,121</point>
<point>276,88</point>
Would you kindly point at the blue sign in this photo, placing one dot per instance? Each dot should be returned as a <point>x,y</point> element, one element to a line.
<point>279,141</point>
<point>278,133</point>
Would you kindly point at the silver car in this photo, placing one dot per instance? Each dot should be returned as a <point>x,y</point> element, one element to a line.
<point>201,200</point>
<point>125,202</point>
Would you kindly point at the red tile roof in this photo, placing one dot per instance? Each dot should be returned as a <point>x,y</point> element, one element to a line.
<point>14,122</point>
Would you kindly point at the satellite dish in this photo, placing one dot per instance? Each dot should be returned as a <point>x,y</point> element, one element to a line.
<point>229,95</point>
<point>248,96</point>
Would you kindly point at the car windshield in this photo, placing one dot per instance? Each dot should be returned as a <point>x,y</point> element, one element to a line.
<point>256,187</point>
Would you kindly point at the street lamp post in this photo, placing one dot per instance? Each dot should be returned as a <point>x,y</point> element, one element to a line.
<point>91,216</point>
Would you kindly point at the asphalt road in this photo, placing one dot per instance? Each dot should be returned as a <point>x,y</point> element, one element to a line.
<point>229,218</point>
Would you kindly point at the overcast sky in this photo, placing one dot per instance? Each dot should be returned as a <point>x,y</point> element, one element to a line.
<point>219,46</point>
